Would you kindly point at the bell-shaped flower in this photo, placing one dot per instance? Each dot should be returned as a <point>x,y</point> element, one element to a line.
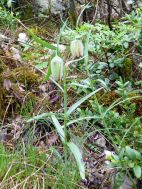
<point>77,48</point>
<point>57,65</point>
<point>108,154</point>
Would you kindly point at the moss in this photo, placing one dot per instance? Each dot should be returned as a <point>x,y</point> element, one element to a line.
<point>40,31</point>
<point>22,102</point>
<point>2,65</point>
<point>138,104</point>
<point>2,91</point>
<point>126,70</point>
<point>3,104</point>
<point>26,11</point>
<point>29,104</point>
<point>72,14</point>
<point>24,75</point>
<point>53,28</point>
<point>107,98</point>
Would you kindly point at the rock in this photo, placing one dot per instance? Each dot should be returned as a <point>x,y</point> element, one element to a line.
<point>53,6</point>
<point>43,5</point>
<point>7,84</point>
<point>23,39</point>
<point>3,133</point>
<point>101,142</point>
<point>15,53</point>
<point>3,38</point>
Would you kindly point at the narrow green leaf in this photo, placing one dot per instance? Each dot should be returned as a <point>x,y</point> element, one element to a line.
<point>47,76</point>
<point>79,160</point>
<point>40,41</point>
<point>80,85</point>
<point>57,84</point>
<point>59,128</point>
<point>82,119</point>
<point>137,171</point>
<point>78,103</point>
<point>103,84</point>
<point>39,117</point>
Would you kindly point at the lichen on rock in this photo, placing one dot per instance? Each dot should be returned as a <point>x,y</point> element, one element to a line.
<point>53,6</point>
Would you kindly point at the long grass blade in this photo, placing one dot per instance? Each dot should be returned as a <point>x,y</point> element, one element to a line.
<point>41,116</point>
<point>78,157</point>
<point>58,128</point>
<point>41,42</point>
<point>78,103</point>
<point>82,119</point>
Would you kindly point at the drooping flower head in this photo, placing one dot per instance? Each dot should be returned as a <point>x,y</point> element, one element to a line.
<point>57,65</point>
<point>77,48</point>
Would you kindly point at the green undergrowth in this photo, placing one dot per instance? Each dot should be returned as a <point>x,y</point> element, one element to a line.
<point>29,166</point>
<point>100,92</point>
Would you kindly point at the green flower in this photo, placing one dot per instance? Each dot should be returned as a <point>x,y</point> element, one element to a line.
<point>57,65</point>
<point>77,48</point>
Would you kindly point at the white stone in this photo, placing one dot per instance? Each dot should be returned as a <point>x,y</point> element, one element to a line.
<point>23,38</point>
<point>3,38</point>
<point>15,53</point>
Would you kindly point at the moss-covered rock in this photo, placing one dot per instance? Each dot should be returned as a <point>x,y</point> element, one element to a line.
<point>138,104</point>
<point>126,70</point>
<point>24,75</point>
<point>23,101</point>
<point>19,99</point>
<point>106,99</point>
<point>2,90</point>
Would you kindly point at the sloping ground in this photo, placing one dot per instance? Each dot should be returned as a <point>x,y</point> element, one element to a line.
<point>32,154</point>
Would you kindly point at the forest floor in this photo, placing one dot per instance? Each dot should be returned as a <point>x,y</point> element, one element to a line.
<point>93,112</point>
